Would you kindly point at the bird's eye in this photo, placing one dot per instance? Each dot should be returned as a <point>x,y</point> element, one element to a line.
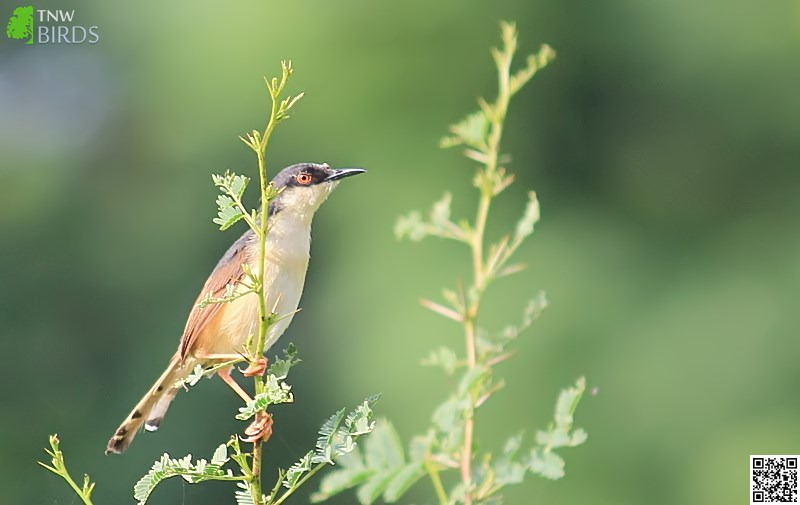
<point>303,178</point>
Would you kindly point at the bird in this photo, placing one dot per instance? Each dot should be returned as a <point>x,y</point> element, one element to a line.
<point>217,332</point>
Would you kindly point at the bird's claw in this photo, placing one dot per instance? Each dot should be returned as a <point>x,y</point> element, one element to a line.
<point>260,429</point>
<point>257,367</point>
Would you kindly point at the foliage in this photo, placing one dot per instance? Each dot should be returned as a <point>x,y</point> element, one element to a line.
<point>288,481</point>
<point>338,437</point>
<point>58,467</point>
<point>383,468</point>
<point>193,473</point>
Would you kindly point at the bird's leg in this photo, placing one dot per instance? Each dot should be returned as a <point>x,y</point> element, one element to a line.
<point>257,367</point>
<point>225,375</point>
<point>260,429</point>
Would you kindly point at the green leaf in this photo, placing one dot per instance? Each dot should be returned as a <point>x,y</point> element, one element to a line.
<point>243,495</point>
<point>579,436</point>
<point>440,212</point>
<point>542,460</point>
<point>296,471</point>
<point>443,357</point>
<point>228,213</point>
<point>535,62</point>
<point>494,347</point>
<point>411,226</point>
<point>231,184</point>
<point>561,437</point>
<point>238,184</point>
<point>547,464</point>
<point>448,415</point>
<point>508,472</point>
<point>448,422</point>
<point>193,378</point>
<point>529,218</point>
<point>553,439</point>
<point>275,392</point>
<point>220,456</point>
<point>280,367</point>
<point>531,313</point>
<point>567,402</point>
<point>359,420</point>
<point>327,432</point>
<point>403,480</point>
<point>374,486</point>
<point>167,467</point>
<point>439,224</point>
<point>353,460</point>
<point>382,469</point>
<point>471,131</point>
<point>338,481</point>
<point>229,203</point>
<point>472,380</point>
<point>421,445</point>
<point>337,439</point>
<point>338,435</point>
<point>383,449</point>
<point>512,446</point>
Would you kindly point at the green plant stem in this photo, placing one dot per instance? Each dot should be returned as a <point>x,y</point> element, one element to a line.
<point>480,274</point>
<point>60,468</point>
<point>441,494</point>
<point>302,481</point>
<point>85,499</point>
<point>470,327</point>
<point>469,423</point>
<point>477,238</point>
<point>255,470</point>
<point>263,315</point>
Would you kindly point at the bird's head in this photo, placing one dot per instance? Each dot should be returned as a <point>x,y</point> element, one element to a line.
<point>303,187</point>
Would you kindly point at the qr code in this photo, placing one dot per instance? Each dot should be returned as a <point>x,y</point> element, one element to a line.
<point>773,479</point>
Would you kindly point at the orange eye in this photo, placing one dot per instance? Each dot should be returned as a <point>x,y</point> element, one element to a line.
<point>303,178</point>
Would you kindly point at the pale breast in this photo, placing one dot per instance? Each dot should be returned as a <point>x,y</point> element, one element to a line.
<point>285,265</point>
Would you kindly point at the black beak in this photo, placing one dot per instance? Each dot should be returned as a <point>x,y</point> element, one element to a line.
<point>341,173</point>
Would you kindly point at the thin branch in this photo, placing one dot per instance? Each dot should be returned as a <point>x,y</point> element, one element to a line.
<point>481,271</point>
<point>433,472</point>
<point>302,481</point>
<point>275,91</point>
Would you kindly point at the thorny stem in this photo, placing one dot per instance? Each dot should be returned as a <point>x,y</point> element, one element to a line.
<point>263,315</point>
<point>479,269</point>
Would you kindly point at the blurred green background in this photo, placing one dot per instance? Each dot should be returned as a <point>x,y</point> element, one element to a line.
<point>663,143</point>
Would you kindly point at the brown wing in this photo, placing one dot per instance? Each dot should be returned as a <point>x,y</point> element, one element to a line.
<point>228,271</point>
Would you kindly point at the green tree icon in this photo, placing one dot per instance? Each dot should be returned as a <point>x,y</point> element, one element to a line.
<point>20,26</point>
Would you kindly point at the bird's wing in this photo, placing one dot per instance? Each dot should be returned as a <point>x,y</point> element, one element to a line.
<point>228,271</point>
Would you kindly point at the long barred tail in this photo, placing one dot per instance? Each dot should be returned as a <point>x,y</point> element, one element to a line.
<point>149,411</point>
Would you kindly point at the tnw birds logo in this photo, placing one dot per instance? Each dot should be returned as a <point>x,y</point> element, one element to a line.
<point>44,26</point>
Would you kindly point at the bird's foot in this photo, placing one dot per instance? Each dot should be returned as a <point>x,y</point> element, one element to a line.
<point>260,429</point>
<point>257,367</point>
